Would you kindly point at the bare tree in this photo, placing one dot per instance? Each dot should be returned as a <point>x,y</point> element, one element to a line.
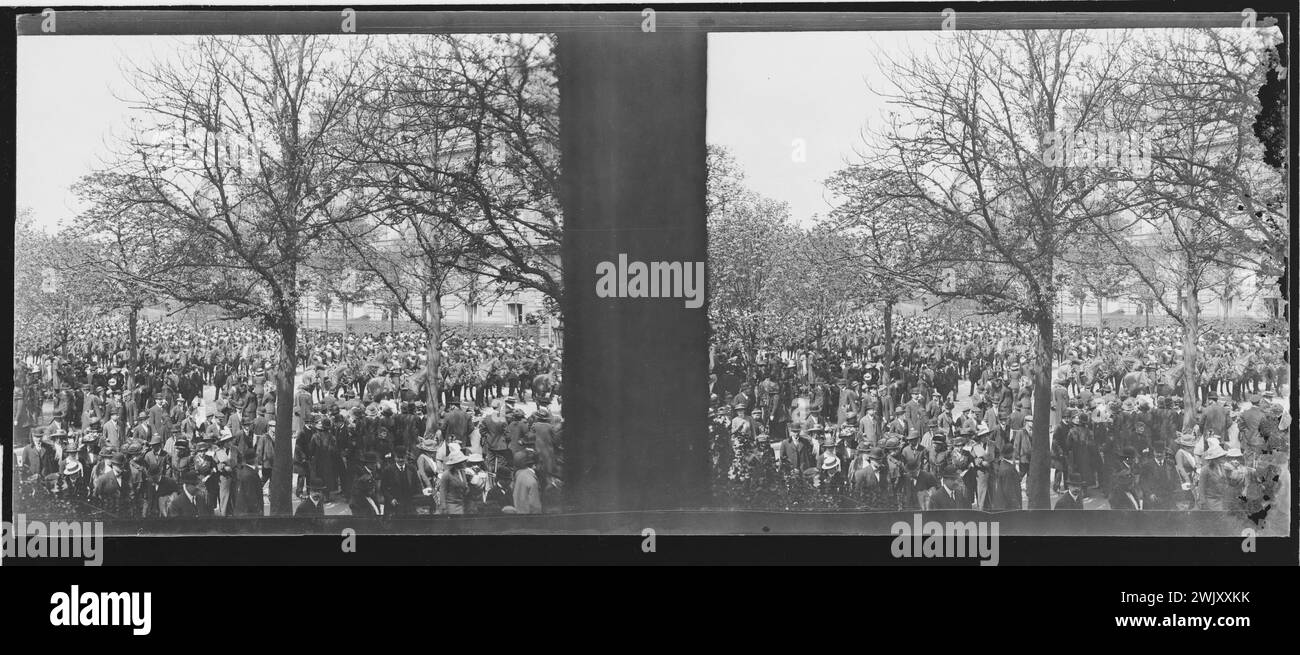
<point>130,251</point>
<point>885,253</point>
<point>235,153</point>
<point>1205,164</point>
<point>966,150</point>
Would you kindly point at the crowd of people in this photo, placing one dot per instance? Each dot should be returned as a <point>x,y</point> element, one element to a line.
<point>948,423</point>
<point>190,430</point>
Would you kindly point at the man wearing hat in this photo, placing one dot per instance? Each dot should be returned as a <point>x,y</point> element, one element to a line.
<point>302,404</point>
<point>914,413</point>
<point>109,485</point>
<point>1004,481</point>
<point>914,454</point>
<point>1160,486</point>
<point>527,493</point>
<point>92,405</point>
<point>456,423</point>
<point>871,483</point>
<point>365,486</point>
<point>1250,421</point>
<point>38,456</point>
<point>950,494</point>
<point>324,453</point>
<point>314,504</point>
<point>226,459</point>
<point>265,447</point>
<point>1214,420</point>
<point>762,462</point>
<point>155,468</point>
<point>899,423</point>
<point>401,484</point>
<point>796,453</point>
<point>1074,497</point>
<point>548,443</point>
<point>1123,492</point>
<point>190,501</point>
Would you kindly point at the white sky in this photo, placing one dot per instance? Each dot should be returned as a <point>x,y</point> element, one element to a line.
<point>67,113</point>
<point>768,89</point>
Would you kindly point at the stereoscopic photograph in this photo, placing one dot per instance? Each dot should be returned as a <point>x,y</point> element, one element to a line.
<point>286,275</point>
<point>1000,270</point>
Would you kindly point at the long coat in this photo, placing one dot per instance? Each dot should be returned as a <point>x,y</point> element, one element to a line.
<point>1004,486</point>
<point>527,495</point>
<point>324,457</point>
<point>402,486</point>
<point>452,489</point>
<point>547,443</point>
<point>248,491</point>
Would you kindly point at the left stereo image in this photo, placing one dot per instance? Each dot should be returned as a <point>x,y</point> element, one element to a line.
<point>286,275</point>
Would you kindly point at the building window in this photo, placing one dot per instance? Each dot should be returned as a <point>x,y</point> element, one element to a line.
<point>516,312</point>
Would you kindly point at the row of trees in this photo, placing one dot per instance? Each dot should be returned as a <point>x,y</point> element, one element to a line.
<point>954,197</point>
<point>259,171</point>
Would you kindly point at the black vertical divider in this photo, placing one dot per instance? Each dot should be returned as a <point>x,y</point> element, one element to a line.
<point>632,125</point>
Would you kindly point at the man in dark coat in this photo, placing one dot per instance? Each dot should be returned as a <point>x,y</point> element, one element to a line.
<point>1004,482</point>
<point>248,486</point>
<point>1250,421</point>
<point>324,455</point>
<point>496,446</point>
<point>191,501</point>
<point>1161,486</point>
<point>265,450</point>
<point>365,486</point>
<point>456,423</point>
<point>547,441</point>
<point>1215,419</point>
<point>1072,499</point>
<point>871,484</point>
<point>1122,493</point>
<point>950,494</point>
<point>401,484</point>
<point>527,494</point>
<point>314,504</point>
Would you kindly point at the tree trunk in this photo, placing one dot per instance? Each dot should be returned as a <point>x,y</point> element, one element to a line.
<point>434,309</point>
<point>327,317</point>
<point>345,317</point>
<point>1100,314</point>
<point>1038,486</point>
<point>282,474</point>
<point>1080,313</point>
<point>1191,324</point>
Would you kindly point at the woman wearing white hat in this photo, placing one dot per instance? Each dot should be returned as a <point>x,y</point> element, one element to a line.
<point>452,484</point>
<point>1213,488</point>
